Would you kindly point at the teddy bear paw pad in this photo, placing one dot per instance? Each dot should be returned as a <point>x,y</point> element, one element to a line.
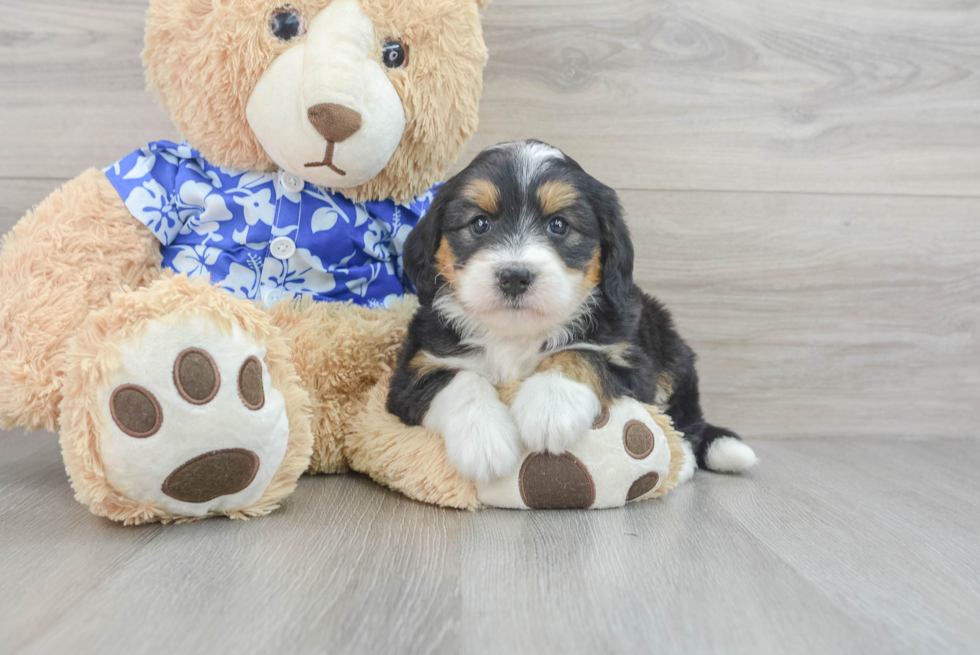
<point>624,457</point>
<point>194,423</point>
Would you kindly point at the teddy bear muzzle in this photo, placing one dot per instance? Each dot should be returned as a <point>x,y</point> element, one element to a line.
<point>325,109</point>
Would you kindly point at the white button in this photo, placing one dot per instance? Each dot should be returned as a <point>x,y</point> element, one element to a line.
<point>272,296</point>
<point>283,248</point>
<point>293,183</point>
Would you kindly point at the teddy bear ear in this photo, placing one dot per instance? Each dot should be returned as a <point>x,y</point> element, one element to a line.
<point>483,3</point>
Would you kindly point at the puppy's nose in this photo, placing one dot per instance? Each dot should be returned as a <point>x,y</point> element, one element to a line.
<point>514,281</point>
<point>334,122</point>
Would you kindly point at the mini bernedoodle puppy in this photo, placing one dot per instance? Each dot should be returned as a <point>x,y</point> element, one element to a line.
<point>524,270</point>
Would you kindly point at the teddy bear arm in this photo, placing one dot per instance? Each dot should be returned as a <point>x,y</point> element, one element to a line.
<point>62,261</point>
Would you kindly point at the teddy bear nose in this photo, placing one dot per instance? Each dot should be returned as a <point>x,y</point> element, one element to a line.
<point>334,122</point>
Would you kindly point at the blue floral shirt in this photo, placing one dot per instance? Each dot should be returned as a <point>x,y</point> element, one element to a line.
<point>266,236</point>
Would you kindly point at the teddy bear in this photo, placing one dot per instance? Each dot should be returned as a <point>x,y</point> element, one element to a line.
<point>204,322</point>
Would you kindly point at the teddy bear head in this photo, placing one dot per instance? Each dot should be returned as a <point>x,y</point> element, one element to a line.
<point>372,98</point>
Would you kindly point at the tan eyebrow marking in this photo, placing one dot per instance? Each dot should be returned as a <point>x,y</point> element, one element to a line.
<point>555,196</point>
<point>484,194</point>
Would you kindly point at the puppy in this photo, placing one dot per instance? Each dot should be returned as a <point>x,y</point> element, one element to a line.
<point>524,270</point>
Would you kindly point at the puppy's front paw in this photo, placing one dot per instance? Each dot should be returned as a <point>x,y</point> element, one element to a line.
<point>481,439</point>
<point>553,412</point>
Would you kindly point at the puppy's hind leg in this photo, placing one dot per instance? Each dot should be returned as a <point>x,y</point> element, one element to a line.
<point>713,448</point>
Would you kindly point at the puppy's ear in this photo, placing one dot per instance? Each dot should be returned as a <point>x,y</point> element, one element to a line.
<point>617,247</point>
<point>420,251</point>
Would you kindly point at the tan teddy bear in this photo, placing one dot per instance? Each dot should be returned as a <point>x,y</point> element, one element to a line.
<point>167,314</point>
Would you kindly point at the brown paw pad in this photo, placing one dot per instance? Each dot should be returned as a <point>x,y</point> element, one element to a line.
<point>601,420</point>
<point>250,386</point>
<point>196,376</point>
<point>556,482</point>
<point>214,474</point>
<point>643,485</point>
<point>638,440</point>
<point>136,411</point>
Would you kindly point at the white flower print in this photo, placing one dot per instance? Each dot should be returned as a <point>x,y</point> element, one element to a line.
<point>301,274</point>
<point>201,210</point>
<point>325,218</point>
<point>241,282</point>
<point>258,206</point>
<point>150,204</point>
<point>195,260</point>
<point>144,164</point>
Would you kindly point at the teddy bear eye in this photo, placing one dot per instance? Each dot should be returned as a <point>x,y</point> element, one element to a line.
<point>286,24</point>
<point>394,54</point>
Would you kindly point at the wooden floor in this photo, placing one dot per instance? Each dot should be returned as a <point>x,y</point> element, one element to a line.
<point>802,179</point>
<point>831,546</point>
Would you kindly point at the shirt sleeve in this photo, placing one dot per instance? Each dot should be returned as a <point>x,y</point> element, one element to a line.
<point>146,180</point>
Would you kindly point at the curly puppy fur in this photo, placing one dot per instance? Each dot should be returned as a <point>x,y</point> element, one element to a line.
<point>440,91</point>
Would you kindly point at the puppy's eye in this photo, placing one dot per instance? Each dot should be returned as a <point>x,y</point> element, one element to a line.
<point>481,225</point>
<point>558,227</point>
<point>287,24</point>
<point>394,54</point>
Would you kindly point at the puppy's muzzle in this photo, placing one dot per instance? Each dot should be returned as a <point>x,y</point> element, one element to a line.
<point>514,282</point>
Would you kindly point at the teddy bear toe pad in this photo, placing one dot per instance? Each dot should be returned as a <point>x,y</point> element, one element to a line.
<point>194,424</point>
<point>624,457</point>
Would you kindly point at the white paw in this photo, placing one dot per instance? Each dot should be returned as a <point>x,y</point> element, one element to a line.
<point>690,463</point>
<point>729,455</point>
<point>481,439</point>
<point>553,412</point>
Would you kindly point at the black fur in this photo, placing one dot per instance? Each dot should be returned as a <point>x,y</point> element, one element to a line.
<point>654,353</point>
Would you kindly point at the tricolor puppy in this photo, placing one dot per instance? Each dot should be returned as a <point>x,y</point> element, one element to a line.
<point>524,268</point>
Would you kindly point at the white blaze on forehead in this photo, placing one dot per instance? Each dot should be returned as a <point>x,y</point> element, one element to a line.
<point>530,158</point>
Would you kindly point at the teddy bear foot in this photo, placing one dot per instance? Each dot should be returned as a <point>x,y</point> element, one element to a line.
<point>181,415</point>
<point>194,424</point>
<point>631,453</point>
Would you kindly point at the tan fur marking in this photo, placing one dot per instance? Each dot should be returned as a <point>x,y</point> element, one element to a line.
<point>446,262</point>
<point>484,194</point>
<point>618,354</point>
<point>508,392</point>
<point>555,196</point>
<point>575,367</point>
<point>423,365</point>
<point>665,389</point>
<point>591,279</point>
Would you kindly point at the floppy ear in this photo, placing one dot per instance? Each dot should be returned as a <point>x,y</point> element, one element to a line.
<point>617,248</point>
<point>420,252</point>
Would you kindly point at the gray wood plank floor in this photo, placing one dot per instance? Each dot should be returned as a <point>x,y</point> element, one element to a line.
<point>830,546</point>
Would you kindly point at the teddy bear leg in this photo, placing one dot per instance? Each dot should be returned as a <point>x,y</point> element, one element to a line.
<point>340,352</point>
<point>181,402</point>
<point>62,261</point>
